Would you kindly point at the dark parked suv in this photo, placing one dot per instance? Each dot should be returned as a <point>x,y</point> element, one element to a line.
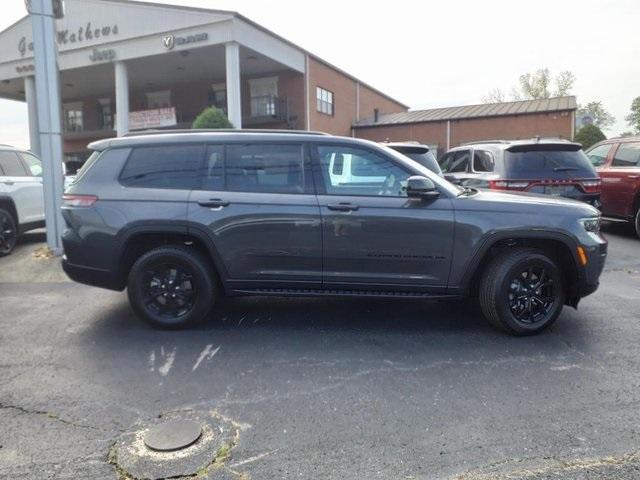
<point>544,166</point>
<point>182,218</point>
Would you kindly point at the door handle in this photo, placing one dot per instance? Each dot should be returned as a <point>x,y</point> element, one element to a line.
<point>633,177</point>
<point>8,182</point>
<point>343,207</point>
<point>213,203</point>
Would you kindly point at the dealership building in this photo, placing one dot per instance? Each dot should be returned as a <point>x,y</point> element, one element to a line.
<point>444,128</point>
<point>128,65</point>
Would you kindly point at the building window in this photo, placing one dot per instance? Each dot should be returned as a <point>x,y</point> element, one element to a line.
<point>324,100</point>
<point>264,95</point>
<point>161,99</point>
<point>105,114</point>
<point>218,96</point>
<point>73,121</point>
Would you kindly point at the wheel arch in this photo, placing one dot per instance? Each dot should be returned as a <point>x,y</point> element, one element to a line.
<point>7,204</point>
<point>137,239</point>
<point>559,246</point>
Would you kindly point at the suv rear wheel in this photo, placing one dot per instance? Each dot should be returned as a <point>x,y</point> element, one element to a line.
<point>636,222</point>
<point>522,292</point>
<point>171,287</point>
<point>8,232</point>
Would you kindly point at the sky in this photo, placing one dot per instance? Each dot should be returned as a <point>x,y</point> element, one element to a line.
<point>429,53</point>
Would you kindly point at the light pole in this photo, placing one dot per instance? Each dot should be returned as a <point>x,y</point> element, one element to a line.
<point>43,14</point>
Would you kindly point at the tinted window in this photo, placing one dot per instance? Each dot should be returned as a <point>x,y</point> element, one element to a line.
<point>426,160</point>
<point>363,172</point>
<point>167,166</point>
<point>455,162</point>
<point>11,166</point>
<point>33,163</point>
<point>482,161</point>
<point>627,155</point>
<point>213,174</point>
<point>547,163</point>
<point>598,156</point>
<point>265,168</point>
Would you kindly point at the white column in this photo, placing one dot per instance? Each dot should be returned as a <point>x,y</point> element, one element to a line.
<point>32,110</point>
<point>122,99</point>
<point>234,91</point>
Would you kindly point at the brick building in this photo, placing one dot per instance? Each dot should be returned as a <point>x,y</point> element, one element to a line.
<point>444,128</point>
<point>128,65</point>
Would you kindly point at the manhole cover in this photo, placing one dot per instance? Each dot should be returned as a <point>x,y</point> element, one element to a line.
<point>173,435</point>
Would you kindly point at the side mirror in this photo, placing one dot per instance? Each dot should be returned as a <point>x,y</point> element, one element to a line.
<point>421,188</point>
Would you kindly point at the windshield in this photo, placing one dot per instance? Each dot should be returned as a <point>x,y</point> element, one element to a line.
<point>538,164</point>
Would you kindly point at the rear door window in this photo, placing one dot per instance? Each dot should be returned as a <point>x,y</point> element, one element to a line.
<point>627,155</point>
<point>544,162</point>
<point>33,163</point>
<point>598,155</point>
<point>482,161</point>
<point>11,165</point>
<point>265,168</point>
<point>456,162</point>
<point>165,166</point>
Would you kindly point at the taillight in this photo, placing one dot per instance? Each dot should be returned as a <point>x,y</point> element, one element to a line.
<point>508,185</point>
<point>78,200</point>
<point>591,186</point>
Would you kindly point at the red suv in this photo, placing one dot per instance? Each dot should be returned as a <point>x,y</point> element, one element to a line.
<point>618,162</point>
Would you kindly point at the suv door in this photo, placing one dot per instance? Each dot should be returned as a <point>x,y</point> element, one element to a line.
<point>24,189</point>
<point>257,203</point>
<point>599,158</point>
<point>34,178</point>
<point>373,236</point>
<point>623,179</point>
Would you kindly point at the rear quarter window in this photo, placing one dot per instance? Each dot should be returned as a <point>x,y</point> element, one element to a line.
<point>163,166</point>
<point>547,163</point>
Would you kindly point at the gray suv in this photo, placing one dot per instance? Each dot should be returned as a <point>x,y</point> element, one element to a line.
<point>180,219</point>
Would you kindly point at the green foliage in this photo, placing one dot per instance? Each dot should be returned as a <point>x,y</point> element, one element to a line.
<point>211,117</point>
<point>601,116</point>
<point>589,135</point>
<point>633,119</point>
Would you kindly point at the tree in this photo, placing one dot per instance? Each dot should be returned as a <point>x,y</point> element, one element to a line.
<point>633,119</point>
<point>627,133</point>
<point>601,116</point>
<point>211,117</point>
<point>494,96</point>
<point>538,84</point>
<point>589,135</point>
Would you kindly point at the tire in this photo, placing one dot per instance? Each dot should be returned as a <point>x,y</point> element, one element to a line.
<point>8,232</point>
<point>509,295</point>
<point>171,287</point>
<point>636,222</point>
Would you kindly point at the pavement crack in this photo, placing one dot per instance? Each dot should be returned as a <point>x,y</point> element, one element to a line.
<point>50,415</point>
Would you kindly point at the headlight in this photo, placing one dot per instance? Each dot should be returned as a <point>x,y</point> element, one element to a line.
<point>591,224</point>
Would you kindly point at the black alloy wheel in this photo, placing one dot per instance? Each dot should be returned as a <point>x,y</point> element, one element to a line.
<point>8,233</point>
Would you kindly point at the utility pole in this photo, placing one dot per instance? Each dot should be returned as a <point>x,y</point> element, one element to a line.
<point>43,15</point>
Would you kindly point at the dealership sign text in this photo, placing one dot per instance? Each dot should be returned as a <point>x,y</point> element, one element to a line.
<point>65,37</point>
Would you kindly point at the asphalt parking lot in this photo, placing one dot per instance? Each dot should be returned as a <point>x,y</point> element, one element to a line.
<point>318,388</point>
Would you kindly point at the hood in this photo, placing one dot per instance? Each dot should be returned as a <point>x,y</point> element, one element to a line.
<point>529,203</point>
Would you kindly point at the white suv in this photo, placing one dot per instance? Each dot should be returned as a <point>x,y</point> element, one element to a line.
<point>21,195</point>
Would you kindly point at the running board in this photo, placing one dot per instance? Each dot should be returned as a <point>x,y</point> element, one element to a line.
<point>308,292</point>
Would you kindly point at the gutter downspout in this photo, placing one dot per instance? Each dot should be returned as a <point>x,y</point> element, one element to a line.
<point>448,134</point>
<point>307,113</point>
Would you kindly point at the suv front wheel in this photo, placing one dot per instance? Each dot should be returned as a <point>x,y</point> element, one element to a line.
<point>8,233</point>
<point>171,287</point>
<point>522,291</point>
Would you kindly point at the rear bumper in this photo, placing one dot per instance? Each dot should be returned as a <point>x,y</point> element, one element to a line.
<point>91,276</point>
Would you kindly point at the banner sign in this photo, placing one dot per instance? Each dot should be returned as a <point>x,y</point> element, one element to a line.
<point>159,117</point>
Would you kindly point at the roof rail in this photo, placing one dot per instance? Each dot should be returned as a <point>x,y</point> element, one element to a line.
<point>221,130</point>
<point>479,142</point>
<point>6,145</point>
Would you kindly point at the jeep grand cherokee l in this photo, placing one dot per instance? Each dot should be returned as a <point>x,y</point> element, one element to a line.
<point>180,219</point>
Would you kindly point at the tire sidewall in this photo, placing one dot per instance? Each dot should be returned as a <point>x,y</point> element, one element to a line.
<point>204,287</point>
<point>502,295</point>
<point>14,226</point>
<point>636,222</point>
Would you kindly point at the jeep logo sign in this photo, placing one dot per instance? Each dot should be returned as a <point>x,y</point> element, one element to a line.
<point>170,41</point>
